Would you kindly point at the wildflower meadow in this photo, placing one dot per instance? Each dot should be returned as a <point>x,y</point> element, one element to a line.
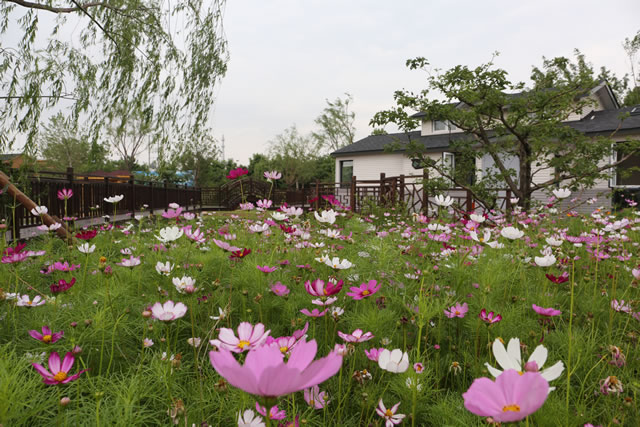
<point>283,316</point>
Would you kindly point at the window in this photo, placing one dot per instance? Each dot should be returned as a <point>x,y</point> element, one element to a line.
<point>461,165</point>
<point>346,172</point>
<point>627,173</point>
<point>449,163</point>
<point>443,125</point>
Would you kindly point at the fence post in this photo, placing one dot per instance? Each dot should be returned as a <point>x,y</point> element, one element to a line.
<point>508,201</point>
<point>352,195</point>
<point>151,203</point>
<point>382,192</point>
<point>401,188</point>
<point>132,186</point>
<point>317,194</point>
<point>70,202</point>
<point>166,194</point>
<point>469,202</point>
<point>425,193</point>
<point>108,206</point>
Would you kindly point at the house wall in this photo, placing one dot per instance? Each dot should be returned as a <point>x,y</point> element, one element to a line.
<point>369,166</point>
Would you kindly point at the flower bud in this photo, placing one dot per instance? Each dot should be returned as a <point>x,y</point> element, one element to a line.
<point>65,401</point>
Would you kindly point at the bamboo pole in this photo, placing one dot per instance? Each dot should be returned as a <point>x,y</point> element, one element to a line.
<point>30,204</point>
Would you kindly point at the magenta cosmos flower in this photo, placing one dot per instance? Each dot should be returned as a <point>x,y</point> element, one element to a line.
<point>457,310</point>
<point>265,372</point>
<point>318,288</point>
<point>59,373</point>
<point>65,194</point>
<point>168,311</point>
<point>249,337</point>
<point>266,268</point>
<point>46,336</point>
<point>237,173</point>
<point>314,313</point>
<point>280,289</point>
<point>374,353</point>
<point>490,317</point>
<point>356,336</point>
<point>365,290</point>
<point>512,397</point>
<point>548,312</point>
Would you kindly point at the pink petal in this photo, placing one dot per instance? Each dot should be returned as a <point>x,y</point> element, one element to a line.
<point>54,363</point>
<point>67,363</point>
<point>42,371</point>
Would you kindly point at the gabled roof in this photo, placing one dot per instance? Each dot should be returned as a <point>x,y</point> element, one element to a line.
<point>595,123</point>
<point>377,143</point>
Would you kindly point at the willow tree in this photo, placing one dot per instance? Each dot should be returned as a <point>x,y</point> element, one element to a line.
<point>101,62</point>
<point>509,120</point>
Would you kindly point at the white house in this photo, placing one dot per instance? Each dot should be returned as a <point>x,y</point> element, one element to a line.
<point>366,159</point>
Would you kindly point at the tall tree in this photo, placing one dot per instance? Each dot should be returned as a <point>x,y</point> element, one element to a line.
<point>143,55</point>
<point>505,120</point>
<point>336,125</point>
<point>631,47</point>
<point>129,136</point>
<point>293,153</point>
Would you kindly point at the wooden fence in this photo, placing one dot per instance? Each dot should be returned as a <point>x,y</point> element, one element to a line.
<point>89,191</point>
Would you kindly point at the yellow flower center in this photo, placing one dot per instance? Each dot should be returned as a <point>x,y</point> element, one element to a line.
<point>388,413</point>
<point>29,302</point>
<point>520,373</point>
<point>324,291</point>
<point>457,312</point>
<point>284,349</point>
<point>365,292</point>
<point>60,376</point>
<point>511,408</point>
<point>242,344</point>
<point>46,338</point>
<point>312,402</point>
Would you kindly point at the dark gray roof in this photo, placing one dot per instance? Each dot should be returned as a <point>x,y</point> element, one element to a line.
<point>377,143</point>
<point>596,122</point>
<point>606,121</point>
<point>8,156</point>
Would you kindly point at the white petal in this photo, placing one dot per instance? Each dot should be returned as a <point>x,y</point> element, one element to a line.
<point>493,371</point>
<point>539,356</point>
<point>553,372</point>
<point>502,357</point>
<point>513,348</point>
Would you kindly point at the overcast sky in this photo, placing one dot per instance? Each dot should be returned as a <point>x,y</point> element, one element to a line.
<point>288,56</point>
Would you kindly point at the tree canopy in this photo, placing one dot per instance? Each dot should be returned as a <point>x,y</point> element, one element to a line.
<point>98,59</point>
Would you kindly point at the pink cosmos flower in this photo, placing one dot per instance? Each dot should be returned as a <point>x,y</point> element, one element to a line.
<point>314,313</point>
<point>280,289</point>
<point>168,311</point>
<point>46,336</point>
<point>389,415</point>
<point>226,246</point>
<point>317,288</point>
<point>272,175</point>
<point>315,398</point>
<point>365,290</point>
<point>457,310</point>
<point>512,397</point>
<point>301,333</point>
<point>197,235</point>
<point>172,213</point>
<point>418,367</point>
<point>266,269</point>
<point>65,194</point>
<point>249,338</point>
<point>285,344</point>
<point>275,413</point>
<point>264,204</point>
<point>25,301</point>
<point>265,372</point>
<point>490,317</point>
<point>356,336</point>
<point>548,312</point>
<point>237,173</point>
<point>59,373</point>
<point>621,306</point>
<point>130,262</point>
<point>374,353</point>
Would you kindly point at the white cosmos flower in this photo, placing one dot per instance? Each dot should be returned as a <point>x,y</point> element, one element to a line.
<point>185,284</point>
<point>394,361</point>
<point>485,237</point>
<point>327,217</point>
<point>338,264</point>
<point>545,261</point>
<point>114,199</point>
<point>39,210</point>
<point>258,228</point>
<point>477,218</point>
<point>334,234</point>
<point>511,233</point>
<point>86,249</point>
<point>278,216</point>
<point>443,201</point>
<point>554,241</point>
<point>562,193</point>
<point>250,419</point>
<point>510,358</point>
<point>164,269</point>
<point>170,234</point>
<point>495,245</point>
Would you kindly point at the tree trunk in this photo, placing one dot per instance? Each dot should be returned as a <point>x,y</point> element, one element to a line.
<point>524,177</point>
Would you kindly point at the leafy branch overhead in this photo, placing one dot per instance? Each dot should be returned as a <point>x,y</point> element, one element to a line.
<point>503,120</point>
<point>106,61</point>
